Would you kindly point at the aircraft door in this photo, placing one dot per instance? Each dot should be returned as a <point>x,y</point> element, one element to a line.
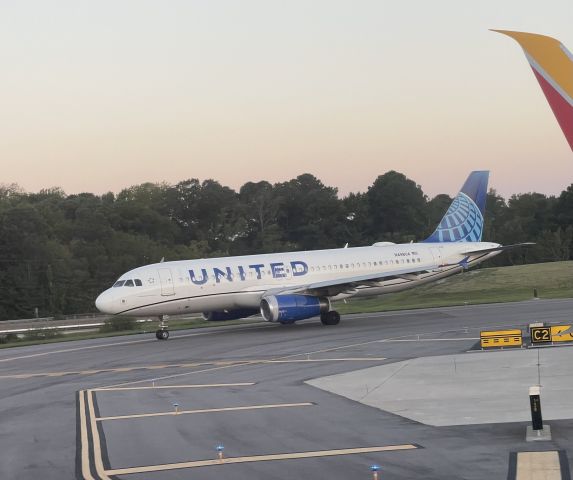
<point>166,279</point>
<point>437,254</point>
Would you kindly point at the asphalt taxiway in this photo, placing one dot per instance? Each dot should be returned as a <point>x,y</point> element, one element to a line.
<point>138,408</point>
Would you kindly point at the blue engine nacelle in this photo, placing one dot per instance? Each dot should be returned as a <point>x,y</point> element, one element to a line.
<point>229,314</point>
<point>290,308</point>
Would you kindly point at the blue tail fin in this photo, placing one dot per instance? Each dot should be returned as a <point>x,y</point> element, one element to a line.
<point>463,222</point>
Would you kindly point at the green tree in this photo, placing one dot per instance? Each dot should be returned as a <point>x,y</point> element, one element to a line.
<point>397,208</point>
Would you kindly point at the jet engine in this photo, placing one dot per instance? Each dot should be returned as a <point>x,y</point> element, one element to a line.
<point>290,308</point>
<point>229,314</point>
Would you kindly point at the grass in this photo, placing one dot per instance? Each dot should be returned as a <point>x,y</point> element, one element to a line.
<point>486,285</point>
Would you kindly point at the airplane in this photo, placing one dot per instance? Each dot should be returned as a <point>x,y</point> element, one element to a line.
<point>552,65</point>
<point>291,286</point>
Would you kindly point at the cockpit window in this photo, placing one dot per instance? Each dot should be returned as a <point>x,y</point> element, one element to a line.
<point>118,284</point>
<point>138,282</point>
<point>128,283</point>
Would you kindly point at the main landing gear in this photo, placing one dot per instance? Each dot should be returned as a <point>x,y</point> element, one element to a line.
<point>163,332</point>
<point>330,318</point>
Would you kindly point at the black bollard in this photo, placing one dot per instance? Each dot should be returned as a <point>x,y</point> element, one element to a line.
<point>535,404</point>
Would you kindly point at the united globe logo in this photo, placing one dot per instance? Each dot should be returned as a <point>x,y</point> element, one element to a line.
<point>463,222</point>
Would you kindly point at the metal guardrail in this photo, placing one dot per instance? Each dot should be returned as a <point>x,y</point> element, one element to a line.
<point>75,322</point>
<point>49,323</point>
<point>77,326</point>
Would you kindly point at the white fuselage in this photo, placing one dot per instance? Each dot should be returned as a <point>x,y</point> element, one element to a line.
<point>228,283</point>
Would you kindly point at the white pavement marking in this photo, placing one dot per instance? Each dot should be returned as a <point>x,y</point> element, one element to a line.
<point>171,387</point>
<point>431,340</point>
<point>206,410</point>
<point>176,375</point>
<point>258,458</point>
<point>91,347</point>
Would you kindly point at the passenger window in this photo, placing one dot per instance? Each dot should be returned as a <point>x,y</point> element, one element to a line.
<point>118,284</point>
<point>128,283</point>
<point>375,264</point>
<point>138,282</point>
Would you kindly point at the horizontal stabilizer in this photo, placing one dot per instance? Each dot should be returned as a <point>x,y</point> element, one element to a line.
<point>499,249</point>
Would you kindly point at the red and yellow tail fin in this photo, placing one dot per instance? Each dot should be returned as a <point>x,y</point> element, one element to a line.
<point>552,65</point>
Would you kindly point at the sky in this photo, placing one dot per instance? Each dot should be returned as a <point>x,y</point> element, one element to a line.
<point>101,95</point>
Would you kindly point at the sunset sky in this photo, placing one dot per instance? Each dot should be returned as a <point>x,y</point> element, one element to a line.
<point>100,95</point>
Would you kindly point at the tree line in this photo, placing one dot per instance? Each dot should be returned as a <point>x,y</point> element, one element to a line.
<point>58,251</point>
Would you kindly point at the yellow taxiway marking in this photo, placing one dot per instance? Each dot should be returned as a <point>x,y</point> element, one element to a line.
<point>311,360</point>
<point>102,370</point>
<point>258,458</point>
<point>206,410</point>
<point>86,473</point>
<point>217,363</point>
<point>95,438</point>
<point>538,466</point>
<point>167,387</point>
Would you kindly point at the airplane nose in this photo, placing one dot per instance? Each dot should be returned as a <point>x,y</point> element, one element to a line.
<point>104,303</point>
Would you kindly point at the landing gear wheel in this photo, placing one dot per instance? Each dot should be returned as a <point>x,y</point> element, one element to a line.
<point>330,318</point>
<point>162,334</point>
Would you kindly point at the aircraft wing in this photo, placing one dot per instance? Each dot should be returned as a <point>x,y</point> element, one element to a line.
<point>501,248</point>
<point>335,286</point>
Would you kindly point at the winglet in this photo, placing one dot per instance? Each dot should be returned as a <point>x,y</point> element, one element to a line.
<point>552,65</point>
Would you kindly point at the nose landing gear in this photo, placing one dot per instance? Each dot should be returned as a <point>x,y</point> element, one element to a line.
<point>163,332</point>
